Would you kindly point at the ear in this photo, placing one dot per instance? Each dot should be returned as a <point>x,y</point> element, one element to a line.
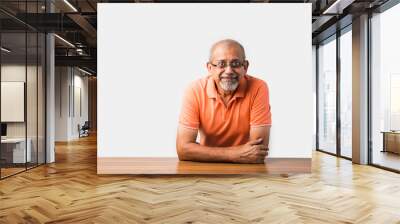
<point>209,66</point>
<point>246,65</point>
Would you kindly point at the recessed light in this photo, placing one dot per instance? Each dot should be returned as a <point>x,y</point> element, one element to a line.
<point>70,5</point>
<point>338,6</point>
<point>64,40</point>
<point>84,71</point>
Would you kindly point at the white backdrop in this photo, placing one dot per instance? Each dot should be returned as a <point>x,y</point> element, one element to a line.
<point>149,53</point>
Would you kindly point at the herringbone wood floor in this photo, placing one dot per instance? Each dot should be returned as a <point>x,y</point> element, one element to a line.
<point>69,191</point>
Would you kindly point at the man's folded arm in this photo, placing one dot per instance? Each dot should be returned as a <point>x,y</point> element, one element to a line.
<point>260,131</point>
<point>189,149</point>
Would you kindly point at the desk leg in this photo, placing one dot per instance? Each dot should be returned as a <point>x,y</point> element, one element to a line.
<point>384,142</point>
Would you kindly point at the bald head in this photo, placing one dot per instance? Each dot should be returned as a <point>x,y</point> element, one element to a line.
<point>227,43</point>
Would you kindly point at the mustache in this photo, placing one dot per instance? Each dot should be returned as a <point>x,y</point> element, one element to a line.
<point>232,75</point>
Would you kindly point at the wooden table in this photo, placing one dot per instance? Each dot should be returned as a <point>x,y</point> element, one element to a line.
<point>113,165</point>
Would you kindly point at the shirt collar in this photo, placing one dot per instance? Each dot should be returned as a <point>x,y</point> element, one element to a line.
<point>213,93</point>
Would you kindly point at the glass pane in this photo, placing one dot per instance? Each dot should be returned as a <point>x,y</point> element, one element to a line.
<point>32,95</point>
<point>31,86</point>
<point>386,89</point>
<point>314,66</point>
<point>327,96</point>
<point>41,98</point>
<point>13,87</point>
<point>346,94</point>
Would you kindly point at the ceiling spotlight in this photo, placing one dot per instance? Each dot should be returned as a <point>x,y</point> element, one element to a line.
<point>5,50</point>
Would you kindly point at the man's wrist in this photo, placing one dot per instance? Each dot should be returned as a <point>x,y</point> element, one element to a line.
<point>233,153</point>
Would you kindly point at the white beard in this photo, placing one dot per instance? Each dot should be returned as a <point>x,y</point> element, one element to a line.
<point>229,85</point>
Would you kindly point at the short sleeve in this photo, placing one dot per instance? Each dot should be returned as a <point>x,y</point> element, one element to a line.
<point>189,115</point>
<point>260,113</point>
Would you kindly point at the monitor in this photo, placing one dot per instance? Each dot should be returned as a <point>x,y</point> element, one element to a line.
<point>3,129</point>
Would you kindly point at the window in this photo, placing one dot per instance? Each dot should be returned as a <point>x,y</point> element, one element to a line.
<point>346,93</point>
<point>385,88</point>
<point>327,96</point>
<point>22,65</point>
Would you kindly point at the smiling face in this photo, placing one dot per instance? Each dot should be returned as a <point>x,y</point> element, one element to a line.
<point>227,65</point>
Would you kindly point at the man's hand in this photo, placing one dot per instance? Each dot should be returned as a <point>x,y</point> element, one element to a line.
<point>252,152</point>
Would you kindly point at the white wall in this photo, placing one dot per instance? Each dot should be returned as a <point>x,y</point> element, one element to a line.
<point>17,73</point>
<point>80,84</point>
<point>144,69</point>
<point>11,73</point>
<point>61,103</point>
<point>67,117</point>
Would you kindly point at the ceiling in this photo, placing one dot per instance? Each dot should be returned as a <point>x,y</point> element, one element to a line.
<point>76,22</point>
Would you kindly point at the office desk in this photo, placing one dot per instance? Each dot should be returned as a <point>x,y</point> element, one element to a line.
<point>391,141</point>
<point>13,150</point>
<point>112,165</point>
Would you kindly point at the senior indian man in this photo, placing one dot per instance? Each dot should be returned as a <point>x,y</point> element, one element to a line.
<point>229,108</point>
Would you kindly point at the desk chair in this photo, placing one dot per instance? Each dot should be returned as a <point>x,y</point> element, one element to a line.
<point>84,130</point>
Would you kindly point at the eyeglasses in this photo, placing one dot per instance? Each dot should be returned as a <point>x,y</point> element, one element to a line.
<point>224,64</point>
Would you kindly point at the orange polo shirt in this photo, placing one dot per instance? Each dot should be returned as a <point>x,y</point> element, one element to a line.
<point>221,125</point>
